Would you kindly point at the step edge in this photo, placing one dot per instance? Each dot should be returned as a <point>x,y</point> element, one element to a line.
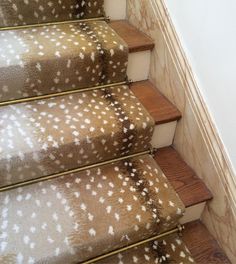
<point>198,199</point>
<point>171,118</point>
<point>149,45</point>
<point>199,228</point>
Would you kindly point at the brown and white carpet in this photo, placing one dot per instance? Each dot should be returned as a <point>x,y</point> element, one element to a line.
<point>83,215</point>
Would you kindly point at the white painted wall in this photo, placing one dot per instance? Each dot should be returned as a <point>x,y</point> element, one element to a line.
<point>207,29</point>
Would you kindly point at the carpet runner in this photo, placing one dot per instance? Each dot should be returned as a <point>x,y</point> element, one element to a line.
<point>27,12</point>
<point>168,251</point>
<point>44,137</point>
<point>79,216</point>
<point>59,58</point>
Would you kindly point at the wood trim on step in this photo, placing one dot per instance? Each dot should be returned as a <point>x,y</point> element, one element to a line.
<point>203,247</point>
<point>161,109</point>
<point>137,41</point>
<point>189,187</point>
<point>196,139</point>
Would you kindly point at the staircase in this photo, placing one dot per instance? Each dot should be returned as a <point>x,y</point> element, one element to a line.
<point>88,173</point>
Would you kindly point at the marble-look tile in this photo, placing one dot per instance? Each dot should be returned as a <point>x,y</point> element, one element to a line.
<point>196,138</point>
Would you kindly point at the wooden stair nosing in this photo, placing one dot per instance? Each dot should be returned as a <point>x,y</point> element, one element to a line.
<point>203,247</point>
<point>137,41</point>
<point>160,108</point>
<point>190,188</point>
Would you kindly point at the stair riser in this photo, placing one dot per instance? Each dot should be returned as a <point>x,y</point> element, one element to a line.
<point>138,69</point>
<point>193,213</point>
<point>101,129</point>
<point>114,11</point>
<point>164,135</point>
<point>138,65</point>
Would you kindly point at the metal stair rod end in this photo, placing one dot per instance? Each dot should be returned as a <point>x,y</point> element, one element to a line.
<point>153,151</point>
<point>181,228</point>
<point>128,81</point>
<point>107,19</point>
<point>143,242</point>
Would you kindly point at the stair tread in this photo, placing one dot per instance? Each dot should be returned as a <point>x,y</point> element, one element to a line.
<point>170,248</point>
<point>97,210</point>
<point>203,247</point>
<point>45,137</point>
<point>160,108</point>
<point>19,12</point>
<point>190,188</point>
<point>64,57</point>
<point>136,40</point>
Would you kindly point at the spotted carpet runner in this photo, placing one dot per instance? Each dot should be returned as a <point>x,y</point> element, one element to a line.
<point>79,216</point>
<point>27,12</point>
<point>59,58</point>
<point>59,134</point>
<point>168,251</point>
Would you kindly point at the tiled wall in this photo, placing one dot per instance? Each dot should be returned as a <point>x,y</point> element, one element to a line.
<point>196,138</point>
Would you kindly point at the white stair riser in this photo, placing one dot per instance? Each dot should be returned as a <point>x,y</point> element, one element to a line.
<point>115,9</point>
<point>139,62</point>
<point>193,213</point>
<point>163,135</point>
<point>138,65</point>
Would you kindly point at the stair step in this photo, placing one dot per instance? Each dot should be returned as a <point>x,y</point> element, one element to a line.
<point>19,12</point>
<point>169,250</point>
<point>161,110</point>
<point>86,214</point>
<point>203,247</point>
<point>140,46</point>
<point>190,188</point>
<point>64,57</point>
<point>137,41</point>
<point>45,137</point>
<point>164,113</point>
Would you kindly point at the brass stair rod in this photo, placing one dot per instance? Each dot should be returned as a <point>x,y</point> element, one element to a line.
<point>47,96</point>
<point>107,19</point>
<point>60,174</point>
<point>178,229</point>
